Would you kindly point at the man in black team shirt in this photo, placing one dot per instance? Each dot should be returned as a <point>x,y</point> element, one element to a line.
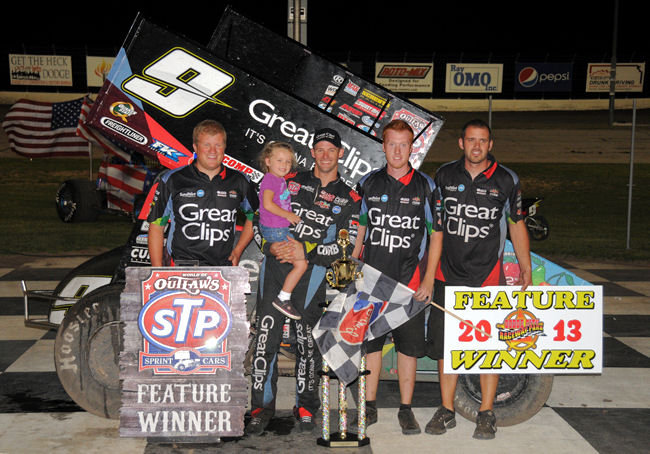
<point>396,222</point>
<point>476,200</point>
<point>200,201</point>
<point>325,205</point>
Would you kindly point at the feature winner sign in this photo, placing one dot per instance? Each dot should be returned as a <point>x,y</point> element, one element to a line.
<point>544,329</point>
<point>182,367</point>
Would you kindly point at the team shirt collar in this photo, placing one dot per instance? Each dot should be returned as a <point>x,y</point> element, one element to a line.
<point>487,173</point>
<point>221,174</point>
<point>404,179</point>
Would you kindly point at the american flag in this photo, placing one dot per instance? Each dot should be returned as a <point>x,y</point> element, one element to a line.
<point>370,307</point>
<point>41,129</point>
<point>95,137</point>
<point>122,182</point>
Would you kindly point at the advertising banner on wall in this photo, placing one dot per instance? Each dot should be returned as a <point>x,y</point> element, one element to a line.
<point>405,77</point>
<point>55,70</point>
<point>543,77</point>
<point>629,77</point>
<point>97,69</point>
<point>474,78</point>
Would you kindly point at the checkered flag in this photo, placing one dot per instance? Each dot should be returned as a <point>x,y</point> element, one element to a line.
<point>366,309</point>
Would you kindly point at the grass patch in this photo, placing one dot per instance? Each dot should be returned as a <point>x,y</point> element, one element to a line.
<point>30,224</point>
<point>586,207</point>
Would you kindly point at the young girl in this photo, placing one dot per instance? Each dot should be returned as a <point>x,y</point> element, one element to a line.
<point>276,160</point>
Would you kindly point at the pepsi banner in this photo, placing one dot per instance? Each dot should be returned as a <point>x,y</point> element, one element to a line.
<point>182,362</point>
<point>162,85</point>
<point>543,77</point>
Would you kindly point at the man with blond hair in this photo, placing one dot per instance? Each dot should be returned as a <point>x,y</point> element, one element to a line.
<point>200,201</point>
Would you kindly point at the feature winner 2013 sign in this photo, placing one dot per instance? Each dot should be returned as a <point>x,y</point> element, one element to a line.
<point>544,329</point>
<point>185,338</point>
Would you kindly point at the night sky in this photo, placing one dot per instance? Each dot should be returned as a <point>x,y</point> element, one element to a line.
<point>340,26</point>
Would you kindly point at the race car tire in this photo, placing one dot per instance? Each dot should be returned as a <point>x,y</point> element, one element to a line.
<point>103,264</point>
<point>77,201</point>
<point>87,349</point>
<point>519,397</point>
<point>537,227</point>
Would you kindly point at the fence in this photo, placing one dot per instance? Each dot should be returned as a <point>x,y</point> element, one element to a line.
<point>364,64</point>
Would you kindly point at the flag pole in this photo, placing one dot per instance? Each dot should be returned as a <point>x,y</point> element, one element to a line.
<point>90,158</point>
<point>460,319</point>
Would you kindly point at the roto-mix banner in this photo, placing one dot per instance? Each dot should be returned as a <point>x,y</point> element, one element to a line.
<point>544,329</point>
<point>182,363</point>
<point>162,85</point>
<point>474,78</point>
<point>405,77</point>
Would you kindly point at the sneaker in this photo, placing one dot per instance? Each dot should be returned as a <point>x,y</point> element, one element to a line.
<point>442,420</point>
<point>407,422</point>
<point>259,421</point>
<point>306,420</point>
<point>286,308</point>
<point>486,425</point>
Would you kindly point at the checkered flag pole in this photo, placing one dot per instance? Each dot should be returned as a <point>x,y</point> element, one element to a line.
<point>368,308</point>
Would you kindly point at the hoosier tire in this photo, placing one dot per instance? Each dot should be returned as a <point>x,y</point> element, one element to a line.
<point>87,349</point>
<point>519,397</point>
<point>77,201</point>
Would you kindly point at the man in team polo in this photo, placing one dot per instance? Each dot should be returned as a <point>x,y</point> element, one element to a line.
<point>325,204</point>
<point>200,201</point>
<point>396,225</point>
<point>477,199</point>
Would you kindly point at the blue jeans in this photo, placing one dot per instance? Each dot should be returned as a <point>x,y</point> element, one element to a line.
<point>275,234</point>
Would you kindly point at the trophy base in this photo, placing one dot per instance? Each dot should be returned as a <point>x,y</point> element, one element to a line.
<point>350,441</point>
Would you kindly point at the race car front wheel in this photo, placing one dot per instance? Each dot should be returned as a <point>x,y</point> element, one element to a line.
<point>77,201</point>
<point>87,349</point>
<point>519,396</point>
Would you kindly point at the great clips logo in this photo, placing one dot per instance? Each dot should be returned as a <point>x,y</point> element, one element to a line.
<point>184,323</point>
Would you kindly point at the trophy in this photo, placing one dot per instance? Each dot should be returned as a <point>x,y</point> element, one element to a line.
<point>344,270</point>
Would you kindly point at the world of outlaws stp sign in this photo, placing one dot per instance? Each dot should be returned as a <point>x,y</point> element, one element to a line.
<point>544,329</point>
<point>184,323</point>
<point>182,363</point>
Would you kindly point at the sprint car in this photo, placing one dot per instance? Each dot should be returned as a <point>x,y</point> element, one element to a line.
<point>160,86</point>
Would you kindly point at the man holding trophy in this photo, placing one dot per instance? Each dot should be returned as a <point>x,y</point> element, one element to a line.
<point>396,231</point>
<point>325,205</point>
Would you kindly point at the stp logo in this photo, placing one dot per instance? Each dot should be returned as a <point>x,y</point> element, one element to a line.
<point>528,77</point>
<point>175,320</point>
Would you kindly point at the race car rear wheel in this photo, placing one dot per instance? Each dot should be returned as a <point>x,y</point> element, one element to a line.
<point>519,397</point>
<point>77,201</point>
<point>87,349</point>
<point>538,227</point>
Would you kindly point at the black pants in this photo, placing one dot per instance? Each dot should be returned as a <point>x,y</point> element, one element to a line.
<point>306,297</point>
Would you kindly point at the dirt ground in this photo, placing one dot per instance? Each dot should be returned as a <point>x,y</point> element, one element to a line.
<point>569,137</point>
<point>551,136</point>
